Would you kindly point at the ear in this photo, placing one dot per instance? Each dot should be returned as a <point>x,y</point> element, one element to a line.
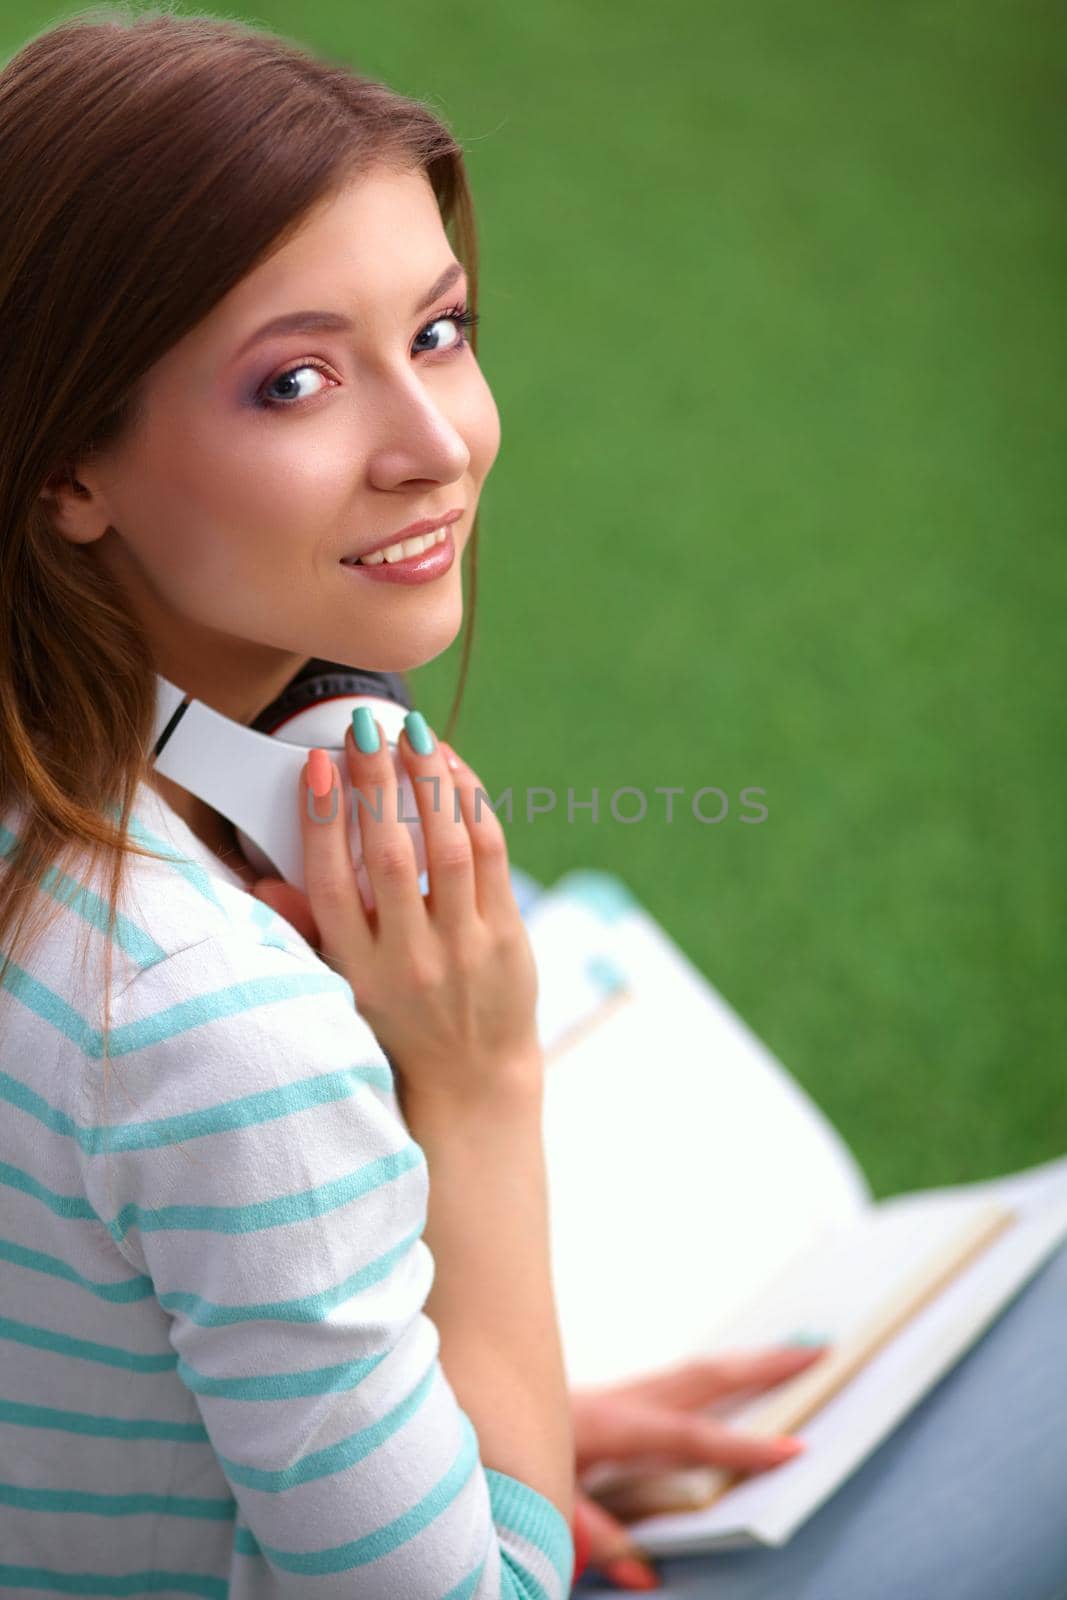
<point>75,512</point>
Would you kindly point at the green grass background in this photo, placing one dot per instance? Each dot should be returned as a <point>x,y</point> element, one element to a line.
<point>773,312</point>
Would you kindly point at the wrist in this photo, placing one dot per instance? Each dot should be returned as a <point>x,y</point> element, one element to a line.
<point>514,1089</point>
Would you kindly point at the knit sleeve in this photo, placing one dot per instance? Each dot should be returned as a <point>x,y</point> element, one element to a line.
<point>251,1159</point>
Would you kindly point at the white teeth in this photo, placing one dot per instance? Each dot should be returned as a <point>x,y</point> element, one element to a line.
<point>405,549</point>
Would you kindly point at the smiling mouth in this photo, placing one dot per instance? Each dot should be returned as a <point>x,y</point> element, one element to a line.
<point>400,552</point>
<point>431,557</point>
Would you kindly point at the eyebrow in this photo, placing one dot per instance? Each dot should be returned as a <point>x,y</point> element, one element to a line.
<point>310,321</point>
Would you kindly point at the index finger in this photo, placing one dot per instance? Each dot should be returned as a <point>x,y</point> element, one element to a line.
<point>700,1382</point>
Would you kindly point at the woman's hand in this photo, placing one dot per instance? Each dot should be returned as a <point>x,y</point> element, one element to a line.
<point>447,983</point>
<point>292,904</point>
<point>661,1416</point>
<point>658,1415</point>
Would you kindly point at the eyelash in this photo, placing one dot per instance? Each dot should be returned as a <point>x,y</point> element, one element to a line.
<point>462,315</point>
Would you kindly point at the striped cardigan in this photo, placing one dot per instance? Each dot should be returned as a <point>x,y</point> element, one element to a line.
<point>216,1376</point>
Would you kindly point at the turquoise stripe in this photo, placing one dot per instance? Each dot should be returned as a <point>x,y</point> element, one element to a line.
<point>135,941</point>
<point>338,1558</point>
<point>335,1457</point>
<point>308,1308</point>
<point>193,873</point>
<point>53,1009</point>
<point>384,1540</point>
<point>231,1001</point>
<point>85,1502</point>
<point>515,1505</point>
<point>74,1207</point>
<point>333,1379</point>
<point>247,1111</point>
<point>282,1212</point>
<point>64,1344</point>
<point>124,1292</point>
<point>171,1021</point>
<point>100,1427</point>
<point>23,1098</point>
<point>533,1516</point>
<point>319,1464</point>
<point>517,1581</point>
<point>154,1581</point>
<point>466,1586</point>
<point>283,1385</point>
<point>271,925</point>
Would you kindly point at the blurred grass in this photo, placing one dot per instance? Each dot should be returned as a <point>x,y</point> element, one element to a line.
<point>773,311</point>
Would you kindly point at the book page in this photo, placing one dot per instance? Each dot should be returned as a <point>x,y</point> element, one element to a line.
<point>685,1165</point>
<point>843,1284</point>
<point>860,1283</point>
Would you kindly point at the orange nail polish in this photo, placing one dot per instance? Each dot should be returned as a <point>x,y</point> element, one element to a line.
<point>785,1449</point>
<point>630,1573</point>
<point>320,773</point>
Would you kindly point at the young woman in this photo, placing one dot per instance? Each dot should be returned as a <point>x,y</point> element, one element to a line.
<point>277,1315</point>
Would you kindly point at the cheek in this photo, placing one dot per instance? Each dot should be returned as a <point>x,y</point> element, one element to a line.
<point>231,511</point>
<point>272,478</point>
<point>236,580</point>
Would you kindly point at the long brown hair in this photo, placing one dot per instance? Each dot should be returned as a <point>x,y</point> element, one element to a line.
<point>147,162</point>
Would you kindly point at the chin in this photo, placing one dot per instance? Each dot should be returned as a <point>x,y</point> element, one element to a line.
<point>409,647</point>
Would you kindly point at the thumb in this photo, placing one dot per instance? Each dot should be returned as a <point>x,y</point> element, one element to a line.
<point>603,1539</point>
<point>289,902</point>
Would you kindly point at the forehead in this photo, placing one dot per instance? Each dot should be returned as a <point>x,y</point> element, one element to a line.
<point>373,244</point>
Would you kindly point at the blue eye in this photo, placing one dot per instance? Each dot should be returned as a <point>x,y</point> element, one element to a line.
<point>461,315</point>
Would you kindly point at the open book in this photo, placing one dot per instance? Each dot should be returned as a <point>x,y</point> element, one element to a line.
<point>699,1201</point>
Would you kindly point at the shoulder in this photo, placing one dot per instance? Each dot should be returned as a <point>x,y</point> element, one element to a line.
<point>240,1017</point>
<point>228,983</point>
<point>252,1063</point>
<point>192,962</point>
<point>178,900</point>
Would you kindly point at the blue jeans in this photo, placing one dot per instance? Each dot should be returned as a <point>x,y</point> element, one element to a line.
<point>965,1500</point>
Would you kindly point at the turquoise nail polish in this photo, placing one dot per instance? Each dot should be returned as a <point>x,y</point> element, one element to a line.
<point>803,1337</point>
<point>364,731</point>
<point>419,733</point>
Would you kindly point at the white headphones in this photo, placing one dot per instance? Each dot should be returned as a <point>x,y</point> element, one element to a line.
<point>252,774</point>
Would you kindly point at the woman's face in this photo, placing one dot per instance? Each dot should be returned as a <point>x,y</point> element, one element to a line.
<point>262,461</point>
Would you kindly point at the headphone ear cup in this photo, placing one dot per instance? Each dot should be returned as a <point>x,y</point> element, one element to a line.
<point>319,680</point>
<point>395,687</point>
<point>314,709</point>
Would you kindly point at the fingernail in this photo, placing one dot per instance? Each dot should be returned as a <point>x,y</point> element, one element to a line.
<point>451,760</point>
<point>319,785</point>
<point>631,1573</point>
<point>320,773</point>
<point>785,1449</point>
<point>803,1337</point>
<point>365,731</point>
<point>419,734</point>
